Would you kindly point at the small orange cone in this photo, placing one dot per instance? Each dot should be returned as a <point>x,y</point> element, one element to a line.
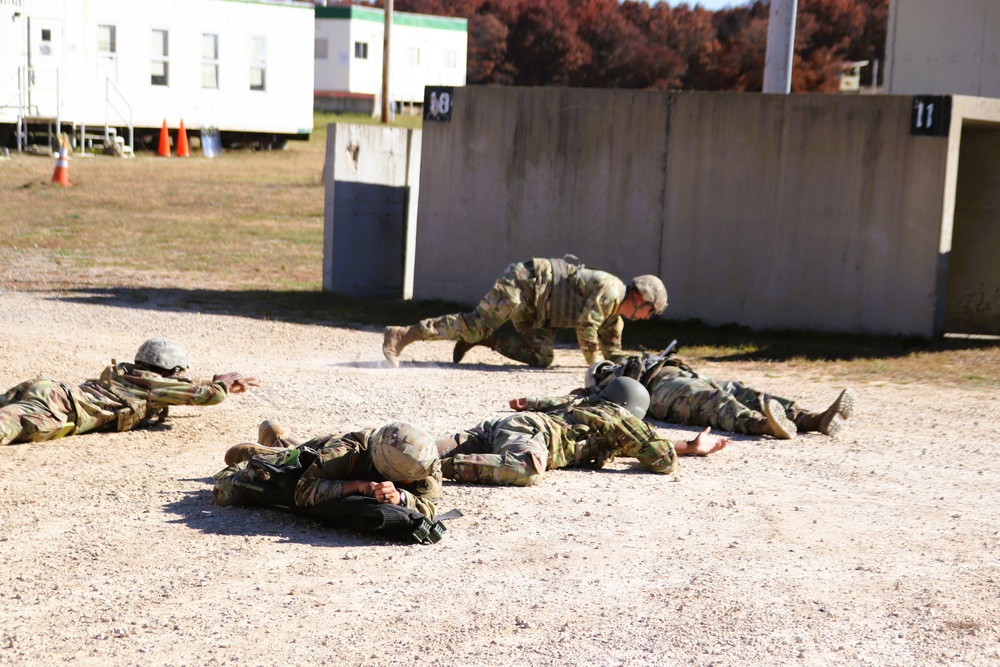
<point>164,150</point>
<point>61,175</point>
<point>182,142</point>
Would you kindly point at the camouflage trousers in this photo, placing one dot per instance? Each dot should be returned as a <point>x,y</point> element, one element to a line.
<point>512,300</point>
<point>696,399</point>
<point>35,411</point>
<point>509,451</point>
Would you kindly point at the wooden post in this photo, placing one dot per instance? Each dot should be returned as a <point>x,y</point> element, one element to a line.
<point>385,62</point>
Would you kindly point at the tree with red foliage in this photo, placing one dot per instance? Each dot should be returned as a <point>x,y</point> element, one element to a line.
<point>632,44</point>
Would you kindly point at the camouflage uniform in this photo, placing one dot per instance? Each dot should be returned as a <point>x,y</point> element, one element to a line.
<point>121,399</point>
<point>537,297</point>
<point>558,433</point>
<point>339,458</point>
<point>681,395</point>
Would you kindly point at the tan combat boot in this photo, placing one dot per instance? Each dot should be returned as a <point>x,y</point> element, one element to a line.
<point>780,426</point>
<point>270,432</point>
<point>830,421</point>
<point>395,339</point>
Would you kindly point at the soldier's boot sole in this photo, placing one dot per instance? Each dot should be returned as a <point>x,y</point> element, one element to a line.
<point>781,426</point>
<point>246,451</point>
<point>270,432</point>
<point>832,421</point>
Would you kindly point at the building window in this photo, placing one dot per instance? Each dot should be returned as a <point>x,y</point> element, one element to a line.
<point>450,58</point>
<point>210,61</point>
<point>258,62</point>
<point>322,48</point>
<point>46,35</point>
<point>106,39</point>
<point>414,53</point>
<point>160,65</point>
<point>361,50</point>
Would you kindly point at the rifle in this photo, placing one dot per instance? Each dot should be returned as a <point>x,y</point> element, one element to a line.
<point>367,515</point>
<point>659,361</point>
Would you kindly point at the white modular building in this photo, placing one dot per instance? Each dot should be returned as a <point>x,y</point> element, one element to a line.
<point>243,67</point>
<point>424,51</point>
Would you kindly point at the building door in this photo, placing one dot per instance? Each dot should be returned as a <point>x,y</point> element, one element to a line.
<point>973,297</point>
<point>44,60</point>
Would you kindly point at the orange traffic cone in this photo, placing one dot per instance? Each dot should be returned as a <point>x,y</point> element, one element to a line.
<point>182,142</point>
<point>61,175</point>
<point>164,150</point>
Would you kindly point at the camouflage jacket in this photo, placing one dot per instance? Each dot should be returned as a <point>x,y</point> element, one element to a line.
<point>590,431</point>
<point>348,457</point>
<point>568,295</point>
<point>125,396</point>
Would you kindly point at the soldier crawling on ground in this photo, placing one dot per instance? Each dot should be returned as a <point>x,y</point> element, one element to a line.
<point>528,301</point>
<point>571,431</point>
<point>126,396</point>
<point>681,395</point>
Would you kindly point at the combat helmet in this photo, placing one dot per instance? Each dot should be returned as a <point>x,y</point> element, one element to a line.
<point>628,393</point>
<point>597,373</point>
<point>403,452</point>
<point>162,354</point>
<point>652,291</point>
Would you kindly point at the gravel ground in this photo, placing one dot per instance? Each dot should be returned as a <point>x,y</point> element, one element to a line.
<point>876,548</point>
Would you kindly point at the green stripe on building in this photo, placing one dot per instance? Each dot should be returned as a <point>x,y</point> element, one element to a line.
<point>398,18</point>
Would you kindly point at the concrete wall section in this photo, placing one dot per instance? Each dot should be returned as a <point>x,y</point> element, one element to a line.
<point>943,47</point>
<point>366,211</point>
<point>527,172</point>
<point>813,212</point>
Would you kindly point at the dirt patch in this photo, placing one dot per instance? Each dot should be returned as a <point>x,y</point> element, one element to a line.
<point>875,548</point>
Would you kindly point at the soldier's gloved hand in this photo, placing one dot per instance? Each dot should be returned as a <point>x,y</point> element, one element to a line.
<point>633,368</point>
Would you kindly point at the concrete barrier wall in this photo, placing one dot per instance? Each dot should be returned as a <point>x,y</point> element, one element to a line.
<point>805,211</point>
<point>818,212</point>
<point>372,188</point>
<point>525,172</point>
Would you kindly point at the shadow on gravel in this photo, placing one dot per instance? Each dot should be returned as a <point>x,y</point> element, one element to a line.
<point>198,511</point>
<point>727,342</point>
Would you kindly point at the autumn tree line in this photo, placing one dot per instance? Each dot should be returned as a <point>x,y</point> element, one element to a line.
<point>630,44</point>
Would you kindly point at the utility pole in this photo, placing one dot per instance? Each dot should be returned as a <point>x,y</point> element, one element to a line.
<point>780,47</point>
<point>385,62</point>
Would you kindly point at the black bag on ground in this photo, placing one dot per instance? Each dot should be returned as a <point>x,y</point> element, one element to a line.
<point>368,515</point>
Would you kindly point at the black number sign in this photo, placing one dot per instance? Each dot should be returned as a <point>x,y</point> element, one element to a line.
<point>931,115</point>
<point>438,102</point>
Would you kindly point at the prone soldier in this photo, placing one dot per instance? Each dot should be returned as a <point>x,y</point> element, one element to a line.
<point>124,397</point>
<point>681,395</point>
<point>571,431</point>
<point>396,464</point>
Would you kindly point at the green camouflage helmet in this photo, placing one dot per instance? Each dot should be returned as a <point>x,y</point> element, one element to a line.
<point>403,452</point>
<point>628,393</point>
<point>162,353</point>
<point>652,291</point>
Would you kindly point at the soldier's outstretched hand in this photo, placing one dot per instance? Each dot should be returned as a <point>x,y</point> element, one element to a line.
<point>518,404</point>
<point>702,445</point>
<point>236,383</point>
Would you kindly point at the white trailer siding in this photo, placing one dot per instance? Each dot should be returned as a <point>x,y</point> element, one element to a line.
<point>426,50</point>
<point>285,29</point>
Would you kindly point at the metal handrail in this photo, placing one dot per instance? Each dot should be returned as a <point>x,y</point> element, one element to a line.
<point>109,105</point>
